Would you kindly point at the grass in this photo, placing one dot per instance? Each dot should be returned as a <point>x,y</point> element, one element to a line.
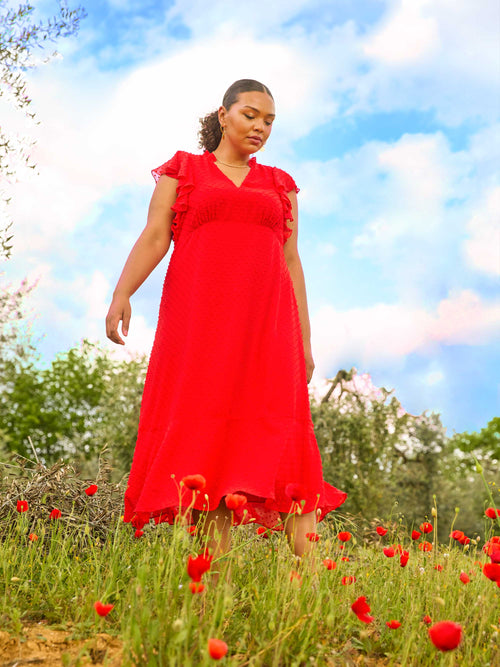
<point>265,617</point>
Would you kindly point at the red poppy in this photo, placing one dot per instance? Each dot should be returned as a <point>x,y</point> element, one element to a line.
<point>415,534</point>
<point>479,564</point>
<point>263,531</point>
<point>235,500</point>
<point>389,552</point>
<point>492,545</point>
<point>403,559</point>
<point>22,506</point>
<point>138,533</point>
<point>464,578</point>
<point>33,537</point>
<point>492,571</point>
<point>464,540</point>
<point>196,587</point>
<point>217,648</point>
<point>192,530</point>
<point>445,635</point>
<point>344,536</point>
<point>381,530</point>
<point>91,489</point>
<point>295,492</point>
<point>296,575</point>
<point>425,546</point>
<point>361,608</point>
<point>426,527</point>
<point>341,546</point>
<point>194,482</point>
<point>329,564</point>
<point>348,580</point>
<point>345,559</point>
<point>103,609</point>
<point>427,619</point>
<point>313,537</point>
<point>438,567</point>
<point>196,567</point>
<point>457,535</point>
<point>397,548</point>
<point>55,514</point>
<point>492,513</point>
<point>393,625</point>
<point>494,553</point>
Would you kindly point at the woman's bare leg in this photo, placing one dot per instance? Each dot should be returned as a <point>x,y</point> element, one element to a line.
<point>215,527</point>
<point>296,526</point>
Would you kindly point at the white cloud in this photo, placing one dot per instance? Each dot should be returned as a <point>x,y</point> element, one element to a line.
<point>387,333</point>
<point>405,36</point>
<point>482,248</point>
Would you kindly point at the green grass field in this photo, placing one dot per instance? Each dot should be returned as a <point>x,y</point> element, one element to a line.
<point>263,614</point>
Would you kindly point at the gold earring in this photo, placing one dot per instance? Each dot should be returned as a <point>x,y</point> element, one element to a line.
<point>223,130</point>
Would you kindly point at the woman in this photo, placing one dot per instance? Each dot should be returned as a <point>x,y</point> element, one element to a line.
<point>226,389</point>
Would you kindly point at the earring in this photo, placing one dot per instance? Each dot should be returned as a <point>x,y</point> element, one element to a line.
<point>263,148</point>
<point>223,131</point>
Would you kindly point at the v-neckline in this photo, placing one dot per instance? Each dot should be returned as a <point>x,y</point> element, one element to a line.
<point>251,163</point>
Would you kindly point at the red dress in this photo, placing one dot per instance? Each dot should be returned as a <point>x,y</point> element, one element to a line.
<point>226,389</point>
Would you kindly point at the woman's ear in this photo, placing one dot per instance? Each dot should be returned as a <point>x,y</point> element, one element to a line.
<point>222,114</point>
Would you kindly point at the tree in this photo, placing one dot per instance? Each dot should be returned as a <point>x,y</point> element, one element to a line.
<point>20,40</point>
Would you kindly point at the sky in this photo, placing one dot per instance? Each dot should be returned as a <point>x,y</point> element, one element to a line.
<point>388,120</point>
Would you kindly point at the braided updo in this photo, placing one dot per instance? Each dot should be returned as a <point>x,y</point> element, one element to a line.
<point>210,133</point>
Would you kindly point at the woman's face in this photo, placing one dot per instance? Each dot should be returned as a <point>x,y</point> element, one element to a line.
<point>248,122</point>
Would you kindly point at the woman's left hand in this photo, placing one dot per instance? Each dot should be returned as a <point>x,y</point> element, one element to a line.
<point>309,363</point>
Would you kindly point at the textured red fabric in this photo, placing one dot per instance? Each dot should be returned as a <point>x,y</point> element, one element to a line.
<point>226,389</point>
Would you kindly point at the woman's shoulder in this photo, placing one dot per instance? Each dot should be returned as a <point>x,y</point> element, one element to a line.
<point>281,178</point>
<point>177,165</point>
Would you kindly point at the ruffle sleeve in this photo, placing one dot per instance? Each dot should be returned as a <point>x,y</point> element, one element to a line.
<point>178,167</point>
<point>284,183</point>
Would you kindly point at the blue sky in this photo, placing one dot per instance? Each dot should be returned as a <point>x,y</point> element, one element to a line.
<point>388,119</point>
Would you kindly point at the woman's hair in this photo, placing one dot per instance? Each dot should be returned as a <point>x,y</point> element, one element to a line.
<point>210,133</point>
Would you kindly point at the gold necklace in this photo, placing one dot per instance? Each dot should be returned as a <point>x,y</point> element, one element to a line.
<point>236,166</point>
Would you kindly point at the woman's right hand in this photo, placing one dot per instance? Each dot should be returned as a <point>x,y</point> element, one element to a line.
<point>119,310</point>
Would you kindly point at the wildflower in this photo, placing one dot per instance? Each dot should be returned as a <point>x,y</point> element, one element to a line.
<point>329,564</point>
<point>492,513</point>
<point>313,537</point>
<point>345,559</point>
<point>403,559</point>
<point>438,567</point>
<point>194,482</point>
<point>217,648</point>
<point>263,532</point>
<point>492,571</point>
<point>457,535</point>
<point>494,553</point>
<point>196,587</point>
<point>464,540</point>
<point>381,531</point>
<point>196,567</point>
<point>138,533</point>
<point>33,537</point>
<point>103,609</point>
<point>22,506</point>
<point>425,546</point>
<point>445,635</point>
<point>426,527</point>
<point>192,530</point>
<point>348,580</point>
<point>55,514</point>
<point>389,552</point>
<point>235,500</point>
<point>492,545</point>
<point>361,608</point>
<point>427,619</point>
<point>397,548</point>
<point>415,534</point>
<point>393,625</point>
<point>344,536</point>
<point>296,576</point>
<point>91,489</point>
<point>464,577</point>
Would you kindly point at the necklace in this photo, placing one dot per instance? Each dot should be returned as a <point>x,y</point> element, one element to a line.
<point>236,166</point>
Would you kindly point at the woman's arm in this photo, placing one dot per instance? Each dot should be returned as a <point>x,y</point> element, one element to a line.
<point>149,249</point>
<point>297,274</point>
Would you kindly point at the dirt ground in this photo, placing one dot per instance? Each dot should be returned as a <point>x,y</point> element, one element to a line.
<point>46,647</point>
